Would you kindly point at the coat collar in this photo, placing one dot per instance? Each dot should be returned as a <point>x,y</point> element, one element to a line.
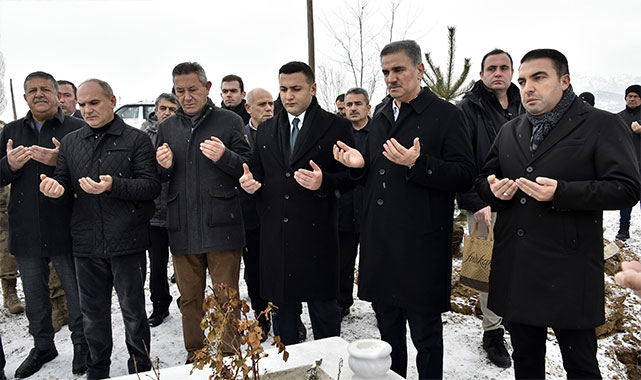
<point>59,115</point>
<point>418,105</point>
<point>571,120</point>
<point>116,129</point>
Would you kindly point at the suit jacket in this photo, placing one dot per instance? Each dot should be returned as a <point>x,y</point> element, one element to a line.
<point>547,265</point>
<point>406,233</point>
<point>299,227</point>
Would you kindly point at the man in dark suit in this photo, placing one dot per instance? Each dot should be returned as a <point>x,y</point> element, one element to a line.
<point>550,174</point>
<point>406,255</point>
<point>297,182</point>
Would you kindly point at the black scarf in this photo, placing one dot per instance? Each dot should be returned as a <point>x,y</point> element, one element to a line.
<point>542,124</point>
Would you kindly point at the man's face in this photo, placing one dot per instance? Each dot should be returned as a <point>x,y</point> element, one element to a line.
<point>340,107</point>
<point>97,108</point>
<point>356,107</point>
<point>402,78</point>
<point>262,107</point>
<point>231,94</point>
<point>541,88</point>
<point>42,98</point>
<point>191,94</point>
<point>67,99</point>
<point>295,93</point>
<point>164,109</point>
<point>633,100</point>
<point>497,72</point>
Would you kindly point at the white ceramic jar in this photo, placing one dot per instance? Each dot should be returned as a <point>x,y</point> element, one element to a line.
<point>369,359</point>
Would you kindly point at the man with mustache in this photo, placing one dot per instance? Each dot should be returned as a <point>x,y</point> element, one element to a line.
<point>493,101</point>
<point>418,156</point>
<point>38,227</point>
<point>350,205</point>
<point>549,175</point>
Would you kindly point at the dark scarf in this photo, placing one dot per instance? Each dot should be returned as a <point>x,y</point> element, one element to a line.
<point>542,124</point>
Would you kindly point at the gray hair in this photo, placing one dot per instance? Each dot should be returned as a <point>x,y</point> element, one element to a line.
<point>41,75</point>
<point>106,88</point>
<point>409,47</point>
<point>188,68</point>
<point>358,91</point>
<point>168,97</point>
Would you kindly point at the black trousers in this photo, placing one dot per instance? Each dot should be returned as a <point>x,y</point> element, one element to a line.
<point>348,243</point>
<point>325,316</point>
<point>251,255</point>
<point>96,278</point>
<point>158,260</point>
<point>427,335</point>
<point>578,349</point>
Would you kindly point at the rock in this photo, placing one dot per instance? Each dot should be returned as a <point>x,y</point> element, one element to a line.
<point>614,309</point>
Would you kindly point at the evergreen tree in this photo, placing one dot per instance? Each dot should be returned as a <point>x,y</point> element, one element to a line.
<point>441,85</point>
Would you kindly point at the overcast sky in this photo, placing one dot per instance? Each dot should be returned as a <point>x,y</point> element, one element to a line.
<point>134,44</point>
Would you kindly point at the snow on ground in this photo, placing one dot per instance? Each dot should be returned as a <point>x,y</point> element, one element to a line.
<point>464,356</point>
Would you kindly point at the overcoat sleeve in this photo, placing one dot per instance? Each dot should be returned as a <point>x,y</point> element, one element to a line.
<point>144,184</point>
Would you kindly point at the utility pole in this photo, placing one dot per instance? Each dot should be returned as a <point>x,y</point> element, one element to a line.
<point>310,34</point>
<point>13,100</point>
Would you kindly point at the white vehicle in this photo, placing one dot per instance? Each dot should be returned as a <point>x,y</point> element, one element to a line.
<point>135,114</point>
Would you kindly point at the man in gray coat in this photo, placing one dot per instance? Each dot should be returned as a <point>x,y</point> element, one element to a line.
<point>201,149</point>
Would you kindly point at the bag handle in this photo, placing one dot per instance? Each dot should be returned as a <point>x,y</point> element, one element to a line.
<point>490,232</point>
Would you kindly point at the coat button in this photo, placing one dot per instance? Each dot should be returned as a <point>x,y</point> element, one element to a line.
<point>286,196</point>
<point>529,169</point>
<point>379,202</point>
<point>520,232</point>
<point>523,200</point>
<point>288,174</point>
<point>285,220</point>
<point>381,172</point>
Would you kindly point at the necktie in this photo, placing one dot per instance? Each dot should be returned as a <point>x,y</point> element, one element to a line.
<point>293,135</point>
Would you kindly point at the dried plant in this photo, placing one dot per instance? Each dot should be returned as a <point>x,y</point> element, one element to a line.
<point>232,343</point>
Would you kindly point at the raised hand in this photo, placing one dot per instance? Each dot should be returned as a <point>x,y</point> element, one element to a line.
<point>17,157</point>
<point>542,190</point>
<point>213,148</point>
<point>247,181</point>
<point>503,189</point>
<point>50,187</point>
<point>47,156</point>
<point>347,156</point>
<point>92,187</point>
<point>310,179</point>
<point>400,155</point>
<point>164,156</point>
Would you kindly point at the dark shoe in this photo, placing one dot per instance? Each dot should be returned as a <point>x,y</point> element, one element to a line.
<point>2,375</point>
<point>494,346</point>
<point>302,331</point>
<point>344,312</point>
<point>35,361</point>
<point>173,278</point>
<point>178,302</point>
<point>157,317</point>
<point>79,364</point>
<point>624,233</point>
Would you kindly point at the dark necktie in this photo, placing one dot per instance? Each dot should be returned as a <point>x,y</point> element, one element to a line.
<point>293,135</point>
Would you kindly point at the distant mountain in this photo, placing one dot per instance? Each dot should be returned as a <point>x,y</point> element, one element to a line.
<point>608,91</point>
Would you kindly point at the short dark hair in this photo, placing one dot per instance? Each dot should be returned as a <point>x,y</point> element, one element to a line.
<point>106,88</point>
<point>41,75</point>
<point>558,59</point>
<point>188,68</point>
<point>168,97</point>
<point>410,47</point>
<point>298,67</point>
<point>340,98</point>
<point>73,86</point>
<point>232,78</point>
<point>496,52</point>
<point>358,91</point>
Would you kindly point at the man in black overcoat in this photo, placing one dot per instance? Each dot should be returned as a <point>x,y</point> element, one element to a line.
<point>406,234</point>
<point>550,174</point>
<point>297,183</point>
